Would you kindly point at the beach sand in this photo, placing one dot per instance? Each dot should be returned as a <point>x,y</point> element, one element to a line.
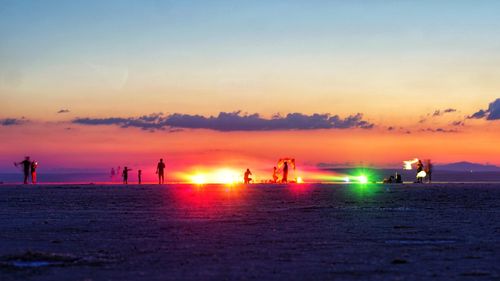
<point>255,232</point>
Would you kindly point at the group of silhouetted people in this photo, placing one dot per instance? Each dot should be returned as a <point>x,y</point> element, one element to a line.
<point>420,177</point>
<point>394,179</point>
<point>275,179</point>
<point>29,167</point>
<point>160,171</point>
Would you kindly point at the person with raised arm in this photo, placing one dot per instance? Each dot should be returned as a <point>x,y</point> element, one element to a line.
<point>125,174</point>
<point>26,164</point>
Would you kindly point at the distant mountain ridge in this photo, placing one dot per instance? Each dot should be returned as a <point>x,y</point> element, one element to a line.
<point>467,166</point>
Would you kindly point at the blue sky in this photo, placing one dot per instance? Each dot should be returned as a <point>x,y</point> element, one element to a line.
<point>139,30</point>
<point>63,54</point>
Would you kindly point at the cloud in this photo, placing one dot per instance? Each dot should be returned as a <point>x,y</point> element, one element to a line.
<point>233,121</point>
<point>442,112</point>
<point>478,115</point>
<point>492,113</point>
<point>439,130</point>
<point>63,111</point>
<point>458,123</point>
<point>12,121</point>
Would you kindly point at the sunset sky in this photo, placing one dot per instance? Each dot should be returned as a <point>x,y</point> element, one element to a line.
<point>96,84</point>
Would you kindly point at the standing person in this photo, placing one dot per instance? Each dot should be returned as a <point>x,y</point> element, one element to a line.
<point>285,173</point>
<point>113,174</point>
<point>139,176</point>
<point>247,177</point>
<point>26,168</point>
<point>125,174</point>
<point>428,170</point>
<point>118,171</point>
<point>34,165</point>
<point>420,167</point>
<point>275,174</point>
<point>160,170</point>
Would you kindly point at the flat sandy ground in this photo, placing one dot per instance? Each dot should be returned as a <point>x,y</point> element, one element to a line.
<point>258,232</point>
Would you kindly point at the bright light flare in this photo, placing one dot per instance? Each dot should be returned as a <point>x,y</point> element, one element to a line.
<point>407,164</point>
<point>362,179</point>
<point>199,179</point>
<point>300,180</point>
<point>221,176</point>
<point>226,176</point>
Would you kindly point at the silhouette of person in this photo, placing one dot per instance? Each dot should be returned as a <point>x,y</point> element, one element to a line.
<point>285,173</point>
<point>125,174</point>
<point>389,180</point>
<point>34,165</point>
<point>139,176</point>
<point>248,179</point>
<point>26,168</point>
<point>118,171</point>
<point>160,170</point>
<point>420,167</point>
<point>113,174</point>
<point>398,178</point>
<point>275,174</point>
<point>428,170</point>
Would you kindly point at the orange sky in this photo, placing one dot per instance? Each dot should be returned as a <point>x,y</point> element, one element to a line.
<point>102,147</point>
<point>121,59</point>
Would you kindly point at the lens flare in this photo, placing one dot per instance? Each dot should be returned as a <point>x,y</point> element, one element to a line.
<point>199,179</point>
<point>221,176</point>
<point>407,164</point>
<point>362,179</point>
<point>226,176</point>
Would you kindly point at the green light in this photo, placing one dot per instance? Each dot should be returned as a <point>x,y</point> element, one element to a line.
<point>363,179</point>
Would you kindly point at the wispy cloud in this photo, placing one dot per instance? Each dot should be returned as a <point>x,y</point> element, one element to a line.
<point>435,114</point>
<point>63,111</point>
<point>443,111</point>
<point>233,121</point>
<point>439,130</point>
<point>12,121</point>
